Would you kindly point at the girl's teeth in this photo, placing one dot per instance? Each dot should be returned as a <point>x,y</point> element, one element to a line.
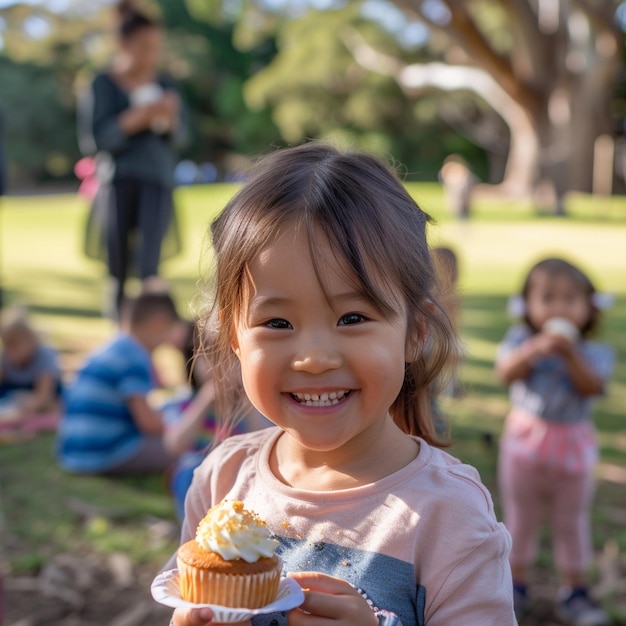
<point>323,399</point>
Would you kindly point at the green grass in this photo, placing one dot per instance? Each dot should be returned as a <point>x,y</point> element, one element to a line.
<point>46,511</point>
<point>42,266</point>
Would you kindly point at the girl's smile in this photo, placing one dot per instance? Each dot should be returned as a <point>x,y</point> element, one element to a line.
<point>323,398</point>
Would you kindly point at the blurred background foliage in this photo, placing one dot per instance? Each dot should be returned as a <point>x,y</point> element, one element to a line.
<point>375,74</point>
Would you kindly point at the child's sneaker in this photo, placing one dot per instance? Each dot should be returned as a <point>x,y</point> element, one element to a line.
<point>521,601</point>
<point>575,607</point>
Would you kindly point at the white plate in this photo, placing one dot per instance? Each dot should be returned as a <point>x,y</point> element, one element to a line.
<point>165,590</point>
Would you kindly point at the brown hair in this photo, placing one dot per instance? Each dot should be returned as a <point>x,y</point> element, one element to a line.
<point>445,263</point>
<point>559,267</point>
<point>371,223</point>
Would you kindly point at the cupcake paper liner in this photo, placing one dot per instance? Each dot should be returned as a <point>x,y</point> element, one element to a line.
<point>165,590</point>
<point>225,589</point>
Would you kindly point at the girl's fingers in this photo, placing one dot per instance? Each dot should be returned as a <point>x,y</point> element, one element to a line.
<point>322,582</point>
<point>329,599</point>
<point>324,605</point>
<point>197,617</point>
<point>322,609</point>
<point>192,617</point>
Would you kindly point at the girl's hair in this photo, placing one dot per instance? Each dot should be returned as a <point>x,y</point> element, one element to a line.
<point>372,224</point>
<point>554,267</point>
<point>131,19</point>
<point>189,351</point>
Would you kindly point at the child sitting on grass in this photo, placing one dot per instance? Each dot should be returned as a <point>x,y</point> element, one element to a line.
<point>30,379</point>
<point>108,426</point>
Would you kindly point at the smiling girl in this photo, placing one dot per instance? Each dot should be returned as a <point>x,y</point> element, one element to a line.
<point>325,309</point>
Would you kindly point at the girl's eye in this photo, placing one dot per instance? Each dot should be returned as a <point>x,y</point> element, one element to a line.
<point>351,318</point>
<point>278,324</point>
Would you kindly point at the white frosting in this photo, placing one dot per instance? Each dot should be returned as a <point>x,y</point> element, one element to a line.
<point>235,533</point>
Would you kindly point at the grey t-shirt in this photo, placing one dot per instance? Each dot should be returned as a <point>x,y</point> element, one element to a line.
<point>547,391</point>
<point>43,362</point>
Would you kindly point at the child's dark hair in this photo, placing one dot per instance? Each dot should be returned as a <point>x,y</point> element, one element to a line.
<point>147,306</point>
<point>372,224</point>
<point>559,267</point>
<point>131,19</point>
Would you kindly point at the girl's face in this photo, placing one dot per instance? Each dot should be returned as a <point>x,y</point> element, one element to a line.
<point>556,296</point>
<point>324,365</point>
<point>142,49</point>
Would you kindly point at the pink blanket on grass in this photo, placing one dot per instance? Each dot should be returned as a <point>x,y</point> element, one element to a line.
<point>31,424</point>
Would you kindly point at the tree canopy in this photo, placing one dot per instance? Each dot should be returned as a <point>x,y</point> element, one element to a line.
<point>533,80</point>
<point>522,89</point>
<point>48,58</point>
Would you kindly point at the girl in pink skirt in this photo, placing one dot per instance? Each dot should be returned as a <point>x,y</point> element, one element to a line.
<point>548,449</point>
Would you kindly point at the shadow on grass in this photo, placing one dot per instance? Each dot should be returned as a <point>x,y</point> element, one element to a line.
<point>64,311</point>
<point>59,294</point>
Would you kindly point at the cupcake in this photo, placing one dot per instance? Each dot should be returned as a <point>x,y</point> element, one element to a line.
<point>231,562</point>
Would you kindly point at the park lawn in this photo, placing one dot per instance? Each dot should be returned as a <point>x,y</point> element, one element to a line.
<point>42,266</point>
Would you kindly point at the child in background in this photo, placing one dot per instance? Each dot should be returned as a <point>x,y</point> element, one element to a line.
<point>191,427</point>
<point>30,378</point>
<point>325,298</point>
<point>548,450</point>
<point>108,426</point>
<point>458,184</point>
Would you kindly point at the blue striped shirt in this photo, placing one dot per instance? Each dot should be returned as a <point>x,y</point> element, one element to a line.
<point>97,430</point>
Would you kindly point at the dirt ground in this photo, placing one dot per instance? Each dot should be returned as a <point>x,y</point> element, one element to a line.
<point>80,592</point>
<point>72,591</point>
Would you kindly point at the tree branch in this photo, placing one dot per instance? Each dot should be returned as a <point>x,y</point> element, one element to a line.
<point>408,7</point>
<point>368,57</point>
<point>470,37</point>
<point>418,77</point>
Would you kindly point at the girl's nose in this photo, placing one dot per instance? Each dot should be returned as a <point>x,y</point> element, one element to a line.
<point>316,354</point>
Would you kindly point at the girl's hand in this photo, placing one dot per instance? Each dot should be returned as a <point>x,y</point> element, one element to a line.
<point>167,108</point>
<point>543,344</point>
<point>563,346</point>
<point>329,600</point>
<point>197,617</point>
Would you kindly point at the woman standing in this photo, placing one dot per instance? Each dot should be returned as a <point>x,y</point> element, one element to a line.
<point>131,119</point>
